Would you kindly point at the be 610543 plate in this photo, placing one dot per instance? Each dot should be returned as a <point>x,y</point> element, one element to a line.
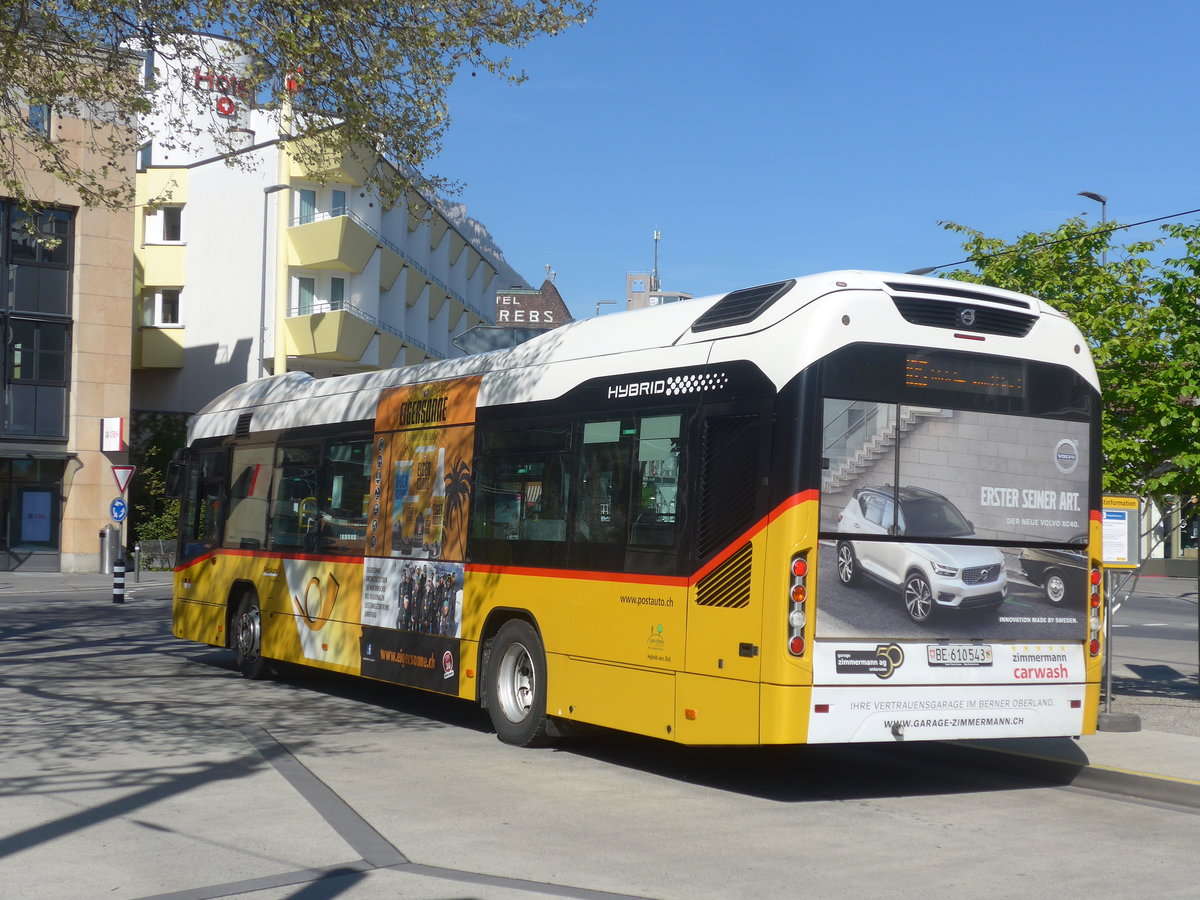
<point>959,654</point>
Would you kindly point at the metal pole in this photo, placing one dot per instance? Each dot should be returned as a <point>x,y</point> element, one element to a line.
<point>1108,648</point>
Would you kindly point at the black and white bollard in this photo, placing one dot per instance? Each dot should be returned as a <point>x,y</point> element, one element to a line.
<point>119,580</point>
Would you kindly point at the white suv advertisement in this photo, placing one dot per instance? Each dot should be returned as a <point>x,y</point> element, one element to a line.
<point>930,576</point>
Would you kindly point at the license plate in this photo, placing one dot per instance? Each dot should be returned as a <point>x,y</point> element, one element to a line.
<point>959,655</point>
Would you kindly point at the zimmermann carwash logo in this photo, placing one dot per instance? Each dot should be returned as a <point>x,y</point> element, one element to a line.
<point>1066,456</point>
<point>671,386</point>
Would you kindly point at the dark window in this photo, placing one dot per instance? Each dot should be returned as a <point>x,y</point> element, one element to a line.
<point>39,119</point>
<point>200,506</point>
<point>343,522</point>
<point>294,492</point>
<point>172,223</point>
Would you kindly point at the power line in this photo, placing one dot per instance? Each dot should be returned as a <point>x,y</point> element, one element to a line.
<point>972,259</point>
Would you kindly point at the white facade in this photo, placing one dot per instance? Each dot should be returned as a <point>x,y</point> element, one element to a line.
<point>266,265</point>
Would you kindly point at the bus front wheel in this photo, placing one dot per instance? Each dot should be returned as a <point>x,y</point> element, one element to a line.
<point>247,637</point>
<point>516,685</point>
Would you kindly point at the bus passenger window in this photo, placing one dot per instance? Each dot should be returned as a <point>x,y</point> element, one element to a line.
<point>246,526</point>
<point>603,482</point>
<point>294,490</point>
<point>522,486</point>
<point>656,483</point>
<point>343,514</point>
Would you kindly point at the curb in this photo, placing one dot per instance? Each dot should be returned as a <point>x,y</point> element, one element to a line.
<point>1104,779</point>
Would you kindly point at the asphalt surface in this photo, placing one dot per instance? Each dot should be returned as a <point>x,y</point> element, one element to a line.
<point>111,779</point>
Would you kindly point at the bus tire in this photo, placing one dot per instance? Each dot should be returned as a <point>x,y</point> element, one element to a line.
<point>247,637</point>
<point>516,685</point>
<point>918,598</point>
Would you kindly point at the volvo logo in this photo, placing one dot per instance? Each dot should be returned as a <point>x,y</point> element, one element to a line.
<point>1066,456</point>
<point>966,317</point>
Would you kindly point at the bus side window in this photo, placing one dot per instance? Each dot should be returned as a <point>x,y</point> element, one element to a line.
<point>522,487</point>
<point>655,521</point>
<point>294,492</point>
<point>602,505</point>
<point>200,515</point>
<point>345,497</point>
<point>246,526</point>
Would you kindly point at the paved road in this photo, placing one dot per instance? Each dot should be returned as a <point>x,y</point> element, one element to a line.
<point>139,766</point>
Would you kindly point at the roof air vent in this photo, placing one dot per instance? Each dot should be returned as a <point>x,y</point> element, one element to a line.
<point>742,306</point>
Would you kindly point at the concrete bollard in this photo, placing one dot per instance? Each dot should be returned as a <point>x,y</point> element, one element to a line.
<point>119,580</point>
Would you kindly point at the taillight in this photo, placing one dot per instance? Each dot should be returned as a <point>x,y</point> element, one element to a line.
<point>1094,601</point>
<point>797,604</point>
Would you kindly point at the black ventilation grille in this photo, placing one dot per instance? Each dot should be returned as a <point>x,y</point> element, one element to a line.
<point>243,424</point>
<point>742,306</point>
<point>727,586</point>
<point>728,481</point>
<point>964,317</point>
<point>956,292</point>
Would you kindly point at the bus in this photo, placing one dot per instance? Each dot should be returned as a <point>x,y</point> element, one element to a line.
<point>801,512</point>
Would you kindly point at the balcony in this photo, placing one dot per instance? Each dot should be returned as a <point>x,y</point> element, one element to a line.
<point>343,333</point>
<point>159,348</point>
<point>163,264</point>
<point>350,166</point>
<point>326,241</point>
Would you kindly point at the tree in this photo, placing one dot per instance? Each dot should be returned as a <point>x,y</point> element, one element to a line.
<point>378,70</point>
<point>1141,322</point>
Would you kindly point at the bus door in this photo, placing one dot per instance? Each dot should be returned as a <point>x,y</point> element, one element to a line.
<point>202,508</point>
<point>725,596</point>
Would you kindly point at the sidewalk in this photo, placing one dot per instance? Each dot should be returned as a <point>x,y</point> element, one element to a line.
<point>1161,761</point>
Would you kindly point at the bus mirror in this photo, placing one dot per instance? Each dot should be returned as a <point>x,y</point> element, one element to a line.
<point>175,475</point>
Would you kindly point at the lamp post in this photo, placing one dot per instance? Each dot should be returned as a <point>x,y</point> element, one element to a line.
<point>262,301</point>
<point>1103,201</point>
<point>600,303</point>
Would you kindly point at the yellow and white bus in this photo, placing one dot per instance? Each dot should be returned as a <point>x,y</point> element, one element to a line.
<point>853,506</point>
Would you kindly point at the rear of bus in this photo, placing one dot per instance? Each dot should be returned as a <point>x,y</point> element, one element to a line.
<point>954,590</point>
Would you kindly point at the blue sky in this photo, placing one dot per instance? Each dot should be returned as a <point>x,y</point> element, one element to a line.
<point>772,139</point>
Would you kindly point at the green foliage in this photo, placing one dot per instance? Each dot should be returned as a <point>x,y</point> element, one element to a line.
<point>1141,322</point>
<point>380,69</point>
<point>152,515</point>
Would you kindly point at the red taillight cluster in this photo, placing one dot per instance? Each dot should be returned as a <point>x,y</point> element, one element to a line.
<point>1094,602</point>
<point>797,605</point>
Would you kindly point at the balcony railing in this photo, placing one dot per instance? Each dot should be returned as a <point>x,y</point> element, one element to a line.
<point>309,218</point>
<point>326,306</point>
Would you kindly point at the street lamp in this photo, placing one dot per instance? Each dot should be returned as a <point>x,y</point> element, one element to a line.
<point>600,303</point>
<point>1103,201</point>
<point>262,300</point>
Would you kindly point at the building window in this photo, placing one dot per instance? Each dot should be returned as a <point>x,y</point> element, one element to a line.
<point>35,308</point>
<point>161,308</point>
<point>337,292</point>
<point>164,225</point>
<point>337,204</point>
<point>36,378</point>
<point>43,237</point>
<point>306,205</point>
<point>39,119</point>
<point>145,156</point>
<point>306,294</point>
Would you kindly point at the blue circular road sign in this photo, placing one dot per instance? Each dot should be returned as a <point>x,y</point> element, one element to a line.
<point>118,509</point>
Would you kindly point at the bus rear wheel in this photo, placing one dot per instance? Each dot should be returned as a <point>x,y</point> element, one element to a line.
<point>516,685</point>
<point>247,637</point>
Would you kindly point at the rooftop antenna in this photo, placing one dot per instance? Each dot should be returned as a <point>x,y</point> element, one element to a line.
<point>654,286</point>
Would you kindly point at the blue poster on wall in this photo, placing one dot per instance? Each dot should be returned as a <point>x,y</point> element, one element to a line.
<point>35,517</point>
